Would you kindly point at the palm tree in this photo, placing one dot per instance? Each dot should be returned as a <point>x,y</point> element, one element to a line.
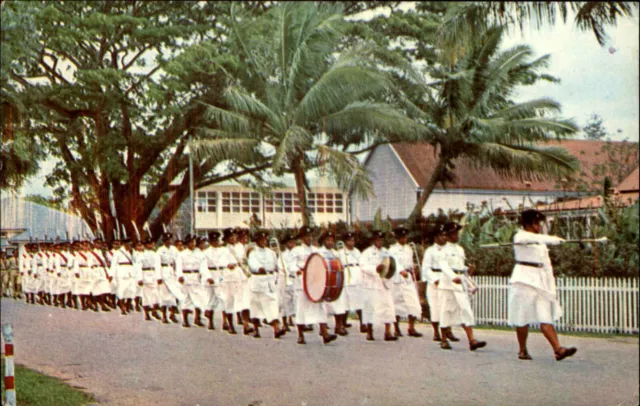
<point>464,21</point>
<point>470,105</point>
<point>300,104</point>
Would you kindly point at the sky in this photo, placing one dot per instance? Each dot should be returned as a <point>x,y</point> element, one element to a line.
<point>593,79</point>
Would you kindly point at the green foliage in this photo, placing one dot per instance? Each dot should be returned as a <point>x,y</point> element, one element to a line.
<point>594,130</point>
<point>619,257</point>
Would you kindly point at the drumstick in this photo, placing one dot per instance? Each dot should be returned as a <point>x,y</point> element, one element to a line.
<point>509,244</point>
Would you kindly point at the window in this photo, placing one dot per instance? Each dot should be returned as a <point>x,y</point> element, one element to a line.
<point>206,202</point>
<point>325,202</point>
<point>282,202</point>
<point>240,202</point>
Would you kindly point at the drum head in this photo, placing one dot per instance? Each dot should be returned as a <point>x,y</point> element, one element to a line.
<point>315,277</point>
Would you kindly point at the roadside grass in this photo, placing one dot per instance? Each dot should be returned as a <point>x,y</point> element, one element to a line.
<point>34,388</point>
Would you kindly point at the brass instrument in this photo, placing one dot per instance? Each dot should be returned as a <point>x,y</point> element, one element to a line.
<point>274,243</point>
<point>340,246</point>
<point>417,259</point>
<point>245,271</point>
<point>472,288</point>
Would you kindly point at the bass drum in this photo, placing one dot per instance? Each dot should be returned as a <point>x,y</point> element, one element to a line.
<point>322,278</point>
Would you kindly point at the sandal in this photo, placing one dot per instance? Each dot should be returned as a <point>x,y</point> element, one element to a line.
<point>524,356</point>
<point>566,353</point>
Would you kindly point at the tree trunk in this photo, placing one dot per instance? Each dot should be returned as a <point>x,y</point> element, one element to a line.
<point>427,190</point>
<point>299,175</point>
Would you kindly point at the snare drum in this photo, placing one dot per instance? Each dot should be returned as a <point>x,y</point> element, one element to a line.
<point>322,278</point>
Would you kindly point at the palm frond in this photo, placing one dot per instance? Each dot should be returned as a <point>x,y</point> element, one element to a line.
<point>377,118</point>
<point>295,139</point>
<point>219,150</point>
<point>228,120</point>
<point>346,171</point>
<point>524,161</point>
<point>339,87</point>
<point>243,102</point>
<point>528,109</point>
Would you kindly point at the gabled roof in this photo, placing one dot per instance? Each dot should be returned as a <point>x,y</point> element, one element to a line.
<point>420,160</point>
<point>630,183</point>
<point>37,221</point>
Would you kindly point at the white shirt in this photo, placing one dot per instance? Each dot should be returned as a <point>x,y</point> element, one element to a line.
<point>262,258</point>
<point>454,255</point>
<point>371,258</point>
<point>167,255</point>
<point>286,259</point>
<point>403,255</point>
<point>299,255</point>
<point>434,258</point>
<point>535,251</point>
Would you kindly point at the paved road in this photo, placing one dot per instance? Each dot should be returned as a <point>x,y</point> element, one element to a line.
<point>125,361</point>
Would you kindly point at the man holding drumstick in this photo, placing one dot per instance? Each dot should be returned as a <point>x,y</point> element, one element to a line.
<point>307,312</point>
<point>532,290</point>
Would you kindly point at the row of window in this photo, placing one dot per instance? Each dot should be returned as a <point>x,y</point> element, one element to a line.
<point>277,202</point>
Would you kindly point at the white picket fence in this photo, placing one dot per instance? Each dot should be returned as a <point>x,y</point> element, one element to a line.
<point>599,305</point>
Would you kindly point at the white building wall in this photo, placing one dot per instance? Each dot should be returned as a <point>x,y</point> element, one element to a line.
<point>218,219</point>
<point>393,188</point>
<point>458,199</point>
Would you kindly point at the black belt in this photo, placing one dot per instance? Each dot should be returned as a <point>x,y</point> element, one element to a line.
<point>436,270</point>
<point>533,264</point>
<point>190,271</point>
<point>216,268</point>
<point>266,273</point>
<point>166,264</point>
<point>148,269</point>
<point>82,266</point>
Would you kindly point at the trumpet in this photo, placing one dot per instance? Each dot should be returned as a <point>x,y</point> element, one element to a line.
<point>472,288</point>
<point>273,243</point>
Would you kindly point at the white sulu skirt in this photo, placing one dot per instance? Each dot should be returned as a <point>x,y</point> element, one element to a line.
<point>455,308</point>
<point>434,302</point>
<point>528,305</point>
<point>405,298</point>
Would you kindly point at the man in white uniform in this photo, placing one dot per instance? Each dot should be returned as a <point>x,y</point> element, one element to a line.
<point>101,286</point>
<point>217,261</point>
<point>350,258</point>
<point>25,266</point>
<point>149,275</point>
<point>169,290</point>
<point>307,312</point>
<point>286,281</point>
<point>532,290</point>
<point>339,307</point>
<point>455,307</point>
<point>192,273</point>
<point>405,292</point>
<point>84,263</point>
<point>378,307</point>
<point>233,294</point>
<point>264,293</point>
<point>124,273</point>
<point>434,256</point>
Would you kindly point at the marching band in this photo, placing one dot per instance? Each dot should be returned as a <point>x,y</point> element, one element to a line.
<point>282,283</point>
